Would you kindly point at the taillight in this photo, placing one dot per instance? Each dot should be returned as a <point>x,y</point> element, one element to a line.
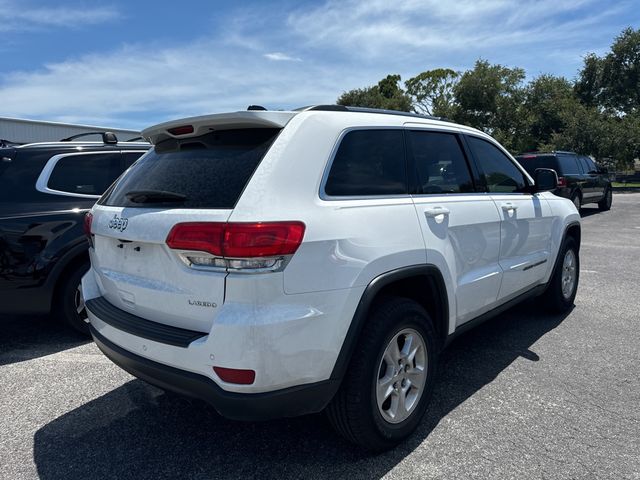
<point>198,236</point>
<point>86,224</point>
<point>261,239</point>
<point>562,182</point>
<point>260,245</point>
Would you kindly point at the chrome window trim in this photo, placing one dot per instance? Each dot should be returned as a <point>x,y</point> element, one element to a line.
<point>42,183</point>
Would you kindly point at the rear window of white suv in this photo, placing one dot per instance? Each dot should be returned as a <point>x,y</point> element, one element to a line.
<point>209,171</point>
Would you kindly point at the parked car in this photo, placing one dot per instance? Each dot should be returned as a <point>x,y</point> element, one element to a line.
<point>45,190</point>
<point>276,263</point>
<point>579,178</point>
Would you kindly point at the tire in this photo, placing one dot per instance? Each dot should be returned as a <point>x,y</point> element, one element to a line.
<point>576,198</point>
<point>605,203</point>
<point>558,299</point>
<point>69,303</point>
<point>355,412</point>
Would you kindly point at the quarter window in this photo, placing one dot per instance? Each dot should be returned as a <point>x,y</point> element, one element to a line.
<point>569,164</point>
<point>89,174</point>
<point>591,165</point>
<point>129,158</point>
<point>369,162</point>
<point>440,166</point>
<point>499,172</point>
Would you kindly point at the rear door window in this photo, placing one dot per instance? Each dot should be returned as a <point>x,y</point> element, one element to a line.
<point>369,162</point>
<point>86,174</point>
<point>209,171</point>
<point>439,163</point>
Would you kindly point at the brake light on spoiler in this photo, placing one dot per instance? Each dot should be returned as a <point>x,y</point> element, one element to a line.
<point>181,130</point>
<point>260,246</point>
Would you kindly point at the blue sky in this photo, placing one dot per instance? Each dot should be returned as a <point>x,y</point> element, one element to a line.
<point>136,63</point>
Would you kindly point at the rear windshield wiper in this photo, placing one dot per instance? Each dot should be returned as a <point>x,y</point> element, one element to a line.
<point>153,196</point>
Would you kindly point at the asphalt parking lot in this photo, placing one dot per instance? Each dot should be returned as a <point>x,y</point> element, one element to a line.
<point>526,395</point>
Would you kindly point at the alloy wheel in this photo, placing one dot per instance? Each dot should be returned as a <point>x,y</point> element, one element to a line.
<point>569,273</point>
<point>402,375</point>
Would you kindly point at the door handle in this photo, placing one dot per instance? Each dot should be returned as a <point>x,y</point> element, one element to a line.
<point>435,211</point>
<point>508,206</point>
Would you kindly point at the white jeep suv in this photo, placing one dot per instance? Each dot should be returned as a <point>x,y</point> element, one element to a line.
<point>277,263</point>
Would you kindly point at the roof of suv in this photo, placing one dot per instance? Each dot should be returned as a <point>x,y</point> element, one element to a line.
<point>258,117</point>
<point>81,145</point>
<point>109,140</point>
<point>555,152</point>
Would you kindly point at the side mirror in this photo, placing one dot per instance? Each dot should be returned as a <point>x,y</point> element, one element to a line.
<point>546,179</point>
<point>603,170</point>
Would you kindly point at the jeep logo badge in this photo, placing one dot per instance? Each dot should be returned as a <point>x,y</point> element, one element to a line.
<point>118,223</point>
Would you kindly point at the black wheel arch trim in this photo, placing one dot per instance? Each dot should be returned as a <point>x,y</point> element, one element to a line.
<point>73,253</point>
<point>556,264</point>
<point>368,297</point>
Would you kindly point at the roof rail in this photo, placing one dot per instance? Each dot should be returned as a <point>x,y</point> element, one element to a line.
<point>552,152</point>
<point>107,137</point>
<point>345,108</point>
<point>136,139</point>
<point>8,143</point>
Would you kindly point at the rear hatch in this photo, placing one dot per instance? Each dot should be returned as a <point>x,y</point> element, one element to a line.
<point>194,179</point>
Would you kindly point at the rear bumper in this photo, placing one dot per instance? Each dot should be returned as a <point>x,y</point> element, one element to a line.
<point>288,402</point>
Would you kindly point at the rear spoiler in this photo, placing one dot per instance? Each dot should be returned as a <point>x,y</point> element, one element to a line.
<point>196,126</point>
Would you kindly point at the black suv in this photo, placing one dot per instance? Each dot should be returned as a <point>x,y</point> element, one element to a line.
<point>579,178</point>
<point>45,190</point>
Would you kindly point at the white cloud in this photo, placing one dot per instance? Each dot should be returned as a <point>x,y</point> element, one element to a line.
<point>20,16</point>
<point>345,44</point>
<point>281,57</point>
<point>378,27</point>
<point>191,79</point>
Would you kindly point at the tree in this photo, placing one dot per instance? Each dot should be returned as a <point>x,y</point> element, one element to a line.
<point>613,82</point>
<point>386,94</point>
<point>548,101</point>
<point>432,91</point>
<point>490,97</point>
<point>588,84</point>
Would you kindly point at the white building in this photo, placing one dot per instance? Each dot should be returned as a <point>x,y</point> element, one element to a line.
<point>17,130</point>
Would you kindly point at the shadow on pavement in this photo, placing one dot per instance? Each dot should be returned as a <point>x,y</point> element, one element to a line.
<point>590,210</point>
<point>27,337</point>
<point>137,431</point>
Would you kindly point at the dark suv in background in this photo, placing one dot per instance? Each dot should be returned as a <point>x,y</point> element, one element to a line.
<point>579,178</point>
<point>45,190</point>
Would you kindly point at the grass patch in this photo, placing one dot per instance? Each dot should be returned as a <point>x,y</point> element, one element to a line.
<point>630,184</point>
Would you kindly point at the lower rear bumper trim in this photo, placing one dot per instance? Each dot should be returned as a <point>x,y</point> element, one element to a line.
<point>288,402</point>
